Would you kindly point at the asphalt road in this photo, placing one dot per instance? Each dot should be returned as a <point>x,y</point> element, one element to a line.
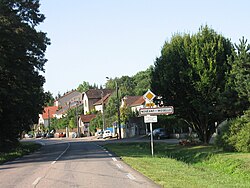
<point>65,163</point>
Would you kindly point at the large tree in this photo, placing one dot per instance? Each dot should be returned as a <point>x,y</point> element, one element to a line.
<point>22,50</point>
<point>190,74</point>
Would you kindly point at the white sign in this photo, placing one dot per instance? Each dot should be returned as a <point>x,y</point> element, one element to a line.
<point>156,111</point>
<point>150,119</point>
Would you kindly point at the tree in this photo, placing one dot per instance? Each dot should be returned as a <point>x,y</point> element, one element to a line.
<point>190,74</point>
<point>49,99</point>
<point>241,69</point>
<point>22,57</point>
<point>83,87</point>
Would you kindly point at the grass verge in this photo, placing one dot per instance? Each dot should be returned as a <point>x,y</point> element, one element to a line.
<point>22,149</point>
<point>178,166</point>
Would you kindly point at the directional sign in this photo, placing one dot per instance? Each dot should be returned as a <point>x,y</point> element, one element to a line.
<point>150,119</point>
<point>156,111</point>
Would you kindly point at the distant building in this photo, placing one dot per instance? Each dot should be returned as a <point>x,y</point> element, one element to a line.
<point>67,101</point>
<point>134,102</point>
<point>92,99</point>
<point>48,113</point>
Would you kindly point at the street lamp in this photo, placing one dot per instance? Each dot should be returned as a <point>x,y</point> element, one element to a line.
<point>118,108</point>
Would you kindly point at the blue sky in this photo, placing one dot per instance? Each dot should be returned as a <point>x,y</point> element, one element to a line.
<point>95,39</point>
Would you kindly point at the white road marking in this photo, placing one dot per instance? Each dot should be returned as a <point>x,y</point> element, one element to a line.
<point>114,159</point>
<point>130,176</point>
<point>106,151</point>
<point>61,154</point>
<point>119,166</point>
<point>36,181</point>
<point>110,154</point>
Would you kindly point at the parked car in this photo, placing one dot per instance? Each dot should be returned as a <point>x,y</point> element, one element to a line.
<point>107,134</point>
<point>61,135</point>
<point>159,133</point>
<point>99,134</point>
<point>28,136</point>
<point>49,135</point>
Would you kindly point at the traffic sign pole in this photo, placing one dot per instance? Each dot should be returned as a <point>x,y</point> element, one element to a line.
<point>152,141</point>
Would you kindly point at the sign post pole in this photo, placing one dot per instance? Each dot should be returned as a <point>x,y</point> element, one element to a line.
<point>152,141</point>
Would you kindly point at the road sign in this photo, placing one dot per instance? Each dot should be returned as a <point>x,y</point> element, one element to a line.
<point>150,119</point>
<point>156,111</point>
<point>151,104</point>
<point>149,96</point>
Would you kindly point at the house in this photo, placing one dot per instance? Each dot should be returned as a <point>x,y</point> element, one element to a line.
<point>84,121</point>
<point>69,100</point>
<point>134,102</point>
<point>100,105</point>
<point>92,96</point>
<point>49,112</point>
<point>135,125</point>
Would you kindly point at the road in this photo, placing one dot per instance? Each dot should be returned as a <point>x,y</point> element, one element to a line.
<point>65,163</point>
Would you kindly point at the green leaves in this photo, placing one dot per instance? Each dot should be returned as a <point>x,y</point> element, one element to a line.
<point>22,58</point>
<point>190,75</point>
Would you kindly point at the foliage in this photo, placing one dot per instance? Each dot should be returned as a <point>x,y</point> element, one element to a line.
<point>235,136</point>
<point>68,120</point>
<point>241,69</point>
<point>190,75</point>
<point>96,123</point>
<point>128,86</point>
<point>85,86</point>
<point>178,166</point>
<point>49,99</point>
<point>22,149</point>
<point>22,57</point>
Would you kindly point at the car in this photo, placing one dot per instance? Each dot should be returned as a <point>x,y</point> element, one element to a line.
<point>159,133</point>
<point>61,135</point>
<point>107,134</point>
<point>99,134</point>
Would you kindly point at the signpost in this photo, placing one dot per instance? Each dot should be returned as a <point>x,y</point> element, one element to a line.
<point>150,114</point>
<point>157,111</point>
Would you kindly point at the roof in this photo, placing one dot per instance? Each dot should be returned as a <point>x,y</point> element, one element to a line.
<point>134,100</point>
<point>104,99</point>
<point>87,118</point>
<point>49,112</point>
<point>97,93</point>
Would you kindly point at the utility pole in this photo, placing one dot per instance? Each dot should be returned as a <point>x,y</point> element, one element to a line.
<point>118,110</point>
<point>77,125</point>
<point>48,120</point>
<point>103,115</point>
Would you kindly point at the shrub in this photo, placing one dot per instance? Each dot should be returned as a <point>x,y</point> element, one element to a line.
<point>236,134</point>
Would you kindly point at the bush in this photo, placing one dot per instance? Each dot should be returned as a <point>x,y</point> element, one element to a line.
<point>235,136</point>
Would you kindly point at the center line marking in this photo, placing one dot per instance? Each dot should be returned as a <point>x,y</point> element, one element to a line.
<point>61,154</point>
<point>119,166</point>
<point>114,159</point>
<point>37,181</point>
<point>130,176</point>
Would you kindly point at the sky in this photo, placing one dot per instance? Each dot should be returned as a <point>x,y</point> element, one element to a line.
<point>95,39</point>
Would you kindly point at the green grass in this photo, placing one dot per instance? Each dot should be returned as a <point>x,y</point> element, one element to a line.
<point>22,149</point>
<point>178,166</point>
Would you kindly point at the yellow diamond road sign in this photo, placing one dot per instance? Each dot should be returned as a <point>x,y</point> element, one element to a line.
<point>149,95</point>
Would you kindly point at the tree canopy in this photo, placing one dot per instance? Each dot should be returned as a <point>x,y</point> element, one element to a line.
<point>190,74</point>
<point>22,50</point>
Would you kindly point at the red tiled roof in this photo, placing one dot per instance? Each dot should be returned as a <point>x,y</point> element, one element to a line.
<point>49,111</point>
<point>87,118</point>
